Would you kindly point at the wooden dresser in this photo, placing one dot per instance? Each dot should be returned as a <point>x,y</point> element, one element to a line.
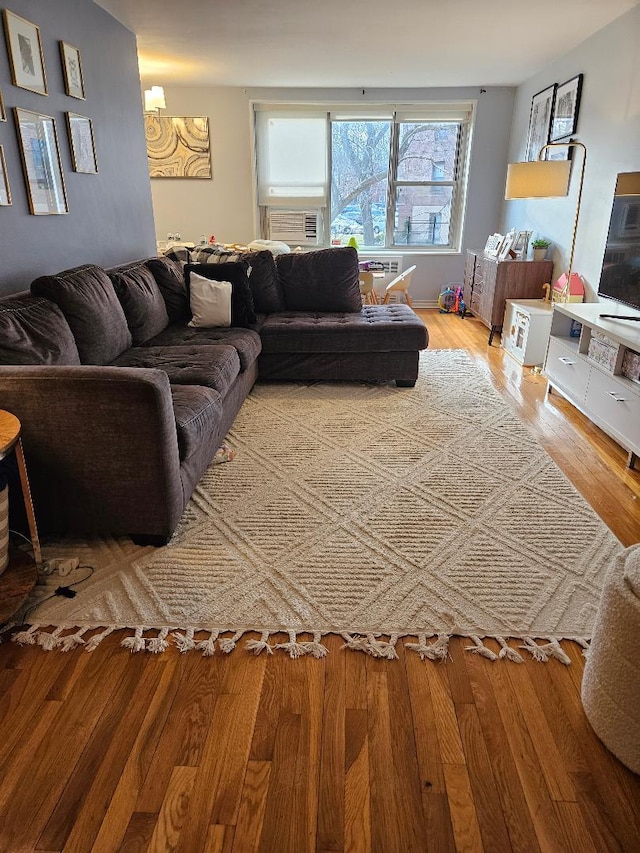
<point>488,282</point>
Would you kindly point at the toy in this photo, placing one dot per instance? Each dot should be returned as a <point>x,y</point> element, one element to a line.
<point>446,300</point>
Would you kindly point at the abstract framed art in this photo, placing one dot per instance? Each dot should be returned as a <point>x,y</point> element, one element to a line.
<point>72,68</point>
<point>540,121</point>
<point>178,147</point>
<point>82,143</point>
<point>5,191</point>
<point>566,109</point>
<point>25,53</point>
<point>41,162</point>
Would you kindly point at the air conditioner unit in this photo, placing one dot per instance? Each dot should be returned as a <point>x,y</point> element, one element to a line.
<point>299,227</point>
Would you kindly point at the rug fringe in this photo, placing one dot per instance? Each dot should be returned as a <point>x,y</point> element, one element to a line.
<point>372,644</point>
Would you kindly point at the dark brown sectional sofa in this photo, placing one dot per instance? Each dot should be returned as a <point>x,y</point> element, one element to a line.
<point>123,404</point>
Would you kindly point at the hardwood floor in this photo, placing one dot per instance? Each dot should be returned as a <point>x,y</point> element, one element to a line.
<point>117,752</point>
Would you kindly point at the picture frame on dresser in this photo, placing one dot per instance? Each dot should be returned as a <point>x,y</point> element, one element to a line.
<point>26,58</point>
<point>540,121</point>
<point>566,109</point>
<point>5,190</point>
<point>41,162</point>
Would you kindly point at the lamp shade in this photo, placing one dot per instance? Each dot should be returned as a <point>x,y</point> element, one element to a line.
<point>538,179</point>
<point>154,99</point>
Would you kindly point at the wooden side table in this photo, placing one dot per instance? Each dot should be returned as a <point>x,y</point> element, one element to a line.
<point>10,440</point>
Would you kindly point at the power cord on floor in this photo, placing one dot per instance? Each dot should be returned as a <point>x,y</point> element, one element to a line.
<point>67,591</point>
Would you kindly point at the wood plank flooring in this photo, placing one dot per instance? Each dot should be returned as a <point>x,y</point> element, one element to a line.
<point>117,752</point>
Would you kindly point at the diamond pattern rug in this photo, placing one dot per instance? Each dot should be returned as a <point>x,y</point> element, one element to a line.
<point>366,510</point>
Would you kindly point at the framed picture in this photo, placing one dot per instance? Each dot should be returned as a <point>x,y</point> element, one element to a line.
<point>493,245</point>
<point>41,162</point>
<point>564,153</point>
<point>5,192</point>
<point>178,147</point>
<point>81,141</point>
<point>506,247</point>
<point>72,68</point>
<point>25,53</point>
<point>565,111</point>
<point>540,121</point>
<point>521,244</point>
<point>3,114</point>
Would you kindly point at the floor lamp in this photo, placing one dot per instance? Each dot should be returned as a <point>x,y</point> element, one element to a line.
<point>548,179</point>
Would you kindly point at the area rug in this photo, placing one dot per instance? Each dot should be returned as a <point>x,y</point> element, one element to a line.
<point>369,511</point>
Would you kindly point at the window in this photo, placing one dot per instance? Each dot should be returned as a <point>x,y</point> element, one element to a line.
<point>387,177</point>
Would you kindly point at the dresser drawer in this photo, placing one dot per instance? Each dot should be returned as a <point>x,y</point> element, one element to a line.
<point>616,406</point>
<point>567,369</point>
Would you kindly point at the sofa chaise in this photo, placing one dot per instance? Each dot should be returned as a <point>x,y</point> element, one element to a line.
<point>123,403</point>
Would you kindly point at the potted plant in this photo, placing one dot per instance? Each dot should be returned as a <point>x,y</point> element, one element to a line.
<point>540,247</point>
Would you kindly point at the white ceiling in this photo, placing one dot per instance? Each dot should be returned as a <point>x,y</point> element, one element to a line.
<point>361,43</point>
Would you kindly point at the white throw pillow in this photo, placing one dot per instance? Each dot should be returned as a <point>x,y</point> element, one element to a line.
<point>210,301</point>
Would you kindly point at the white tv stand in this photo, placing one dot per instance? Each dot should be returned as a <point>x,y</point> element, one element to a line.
<point>598,390</point>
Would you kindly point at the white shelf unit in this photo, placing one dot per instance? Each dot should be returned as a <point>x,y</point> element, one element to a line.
<point>525,331</point>
<point>597,388</point>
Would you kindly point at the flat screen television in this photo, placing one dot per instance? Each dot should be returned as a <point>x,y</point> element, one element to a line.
<point>620,276</point>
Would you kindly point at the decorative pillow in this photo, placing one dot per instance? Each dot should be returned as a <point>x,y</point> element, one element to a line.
<point>210,301</point>
<point>141,300</point>
<point>34,331</point>
<point>261,269</point>
<point>242,311</point>
<point>326,280</point>
<point>86,297</point>
<point>170,279</point>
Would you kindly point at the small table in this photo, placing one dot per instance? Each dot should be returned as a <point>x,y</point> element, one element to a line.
<point>10,440</point>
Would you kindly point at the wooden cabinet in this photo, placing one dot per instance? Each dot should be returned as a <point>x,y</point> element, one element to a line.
<point>588,368</point>
<point>488,283</point>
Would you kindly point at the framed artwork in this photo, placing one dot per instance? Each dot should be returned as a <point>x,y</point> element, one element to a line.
<point>565,111</point>
<point>81,141</point>
<point>178,147</point>
<point>521,244</point>
<point>506,247</point>
<point>5,192</point>
<point>564,153</point>
<point>72,68</point>
<point>540,121</point>
<point>3,114</point>
<point>493,245</point>
<point>25,53</point>
<point>41,162</point>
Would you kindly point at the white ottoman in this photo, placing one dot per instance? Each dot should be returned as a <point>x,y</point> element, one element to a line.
<point>611,683</point>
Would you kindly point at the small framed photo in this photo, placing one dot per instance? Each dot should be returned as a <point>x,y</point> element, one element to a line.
<point>540,121</point>
<point>82,143</point>
<point>506,248</point>
<point>72,68</point>
<point>41,162</point>
<point>493,245</point>
<point>3,114</point>
<point>566,109</point>
<point>520,244</point>
<point>25,53</point>
<point>5,192</point>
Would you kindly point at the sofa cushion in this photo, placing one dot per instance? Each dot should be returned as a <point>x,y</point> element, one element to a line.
<point>34,331</point>
<point>242,311</point>
<point>141,300</point>
<point>375,328</point>
<point>212,366</point>
<point>210,302</point>
<point>170,279</point>
<point>262,271</point>
<point>246,342</point>
<point>86,297</point>
<point>198,411</point>
<point>326,280</point>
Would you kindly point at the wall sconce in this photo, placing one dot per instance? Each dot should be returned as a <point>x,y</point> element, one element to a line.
<point>548,179</point>
<point>154,99</point>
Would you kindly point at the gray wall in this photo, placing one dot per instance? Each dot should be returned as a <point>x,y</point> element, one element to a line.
<point>608,124</point>
<point>110,217</point>
<point>226,205</point>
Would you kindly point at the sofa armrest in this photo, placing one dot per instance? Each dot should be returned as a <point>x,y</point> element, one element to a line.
<point>101,447</point>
